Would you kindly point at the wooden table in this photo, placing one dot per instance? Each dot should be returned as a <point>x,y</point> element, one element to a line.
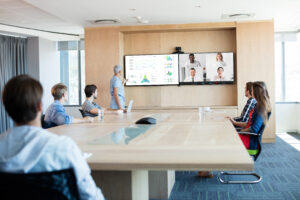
<point>138,161</point>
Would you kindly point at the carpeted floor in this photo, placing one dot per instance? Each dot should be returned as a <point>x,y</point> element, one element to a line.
<point>278,164</point>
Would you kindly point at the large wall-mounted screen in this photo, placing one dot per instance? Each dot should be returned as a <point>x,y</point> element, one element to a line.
<point>210,68</point>
<point>141,70</point>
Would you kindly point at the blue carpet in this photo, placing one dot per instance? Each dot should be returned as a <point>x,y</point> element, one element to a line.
<point>278,164</point>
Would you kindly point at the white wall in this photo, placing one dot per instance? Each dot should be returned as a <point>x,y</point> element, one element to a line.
<point>49,69</point>
<point>43,64</point>
<point>288,117</point>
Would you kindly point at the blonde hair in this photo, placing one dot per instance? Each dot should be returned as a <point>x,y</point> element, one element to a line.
<point>58,90</point>
<point>220,54</point>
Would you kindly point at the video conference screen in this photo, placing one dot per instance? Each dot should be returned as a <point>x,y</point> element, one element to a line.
<point>183,69</point>
<point>206,67</point>
<point>151,70</point>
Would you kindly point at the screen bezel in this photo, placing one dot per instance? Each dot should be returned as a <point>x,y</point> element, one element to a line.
<point>210,82</point>
<point>177,84</point>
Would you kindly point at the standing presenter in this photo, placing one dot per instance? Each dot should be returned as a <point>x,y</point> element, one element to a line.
<point>117,90</point>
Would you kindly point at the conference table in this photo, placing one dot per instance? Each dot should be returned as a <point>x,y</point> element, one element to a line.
<point>131,161</point>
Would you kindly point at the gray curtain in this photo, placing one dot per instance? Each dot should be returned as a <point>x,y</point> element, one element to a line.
<point>13,61</point>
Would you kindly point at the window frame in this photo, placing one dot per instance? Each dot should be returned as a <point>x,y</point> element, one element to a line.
<point>79,75</point>
<point>283,70</point>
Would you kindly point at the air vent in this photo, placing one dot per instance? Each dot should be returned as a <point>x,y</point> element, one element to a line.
<point>237,15</point>
<point>105,21</point>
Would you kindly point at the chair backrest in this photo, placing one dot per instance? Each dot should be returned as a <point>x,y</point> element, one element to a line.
<point>58,185</point>
<point>86,114</point>
<point>258,138</point>
<point>45,124</point>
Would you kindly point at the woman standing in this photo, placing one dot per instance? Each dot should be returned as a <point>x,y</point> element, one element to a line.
<point>117,90</point>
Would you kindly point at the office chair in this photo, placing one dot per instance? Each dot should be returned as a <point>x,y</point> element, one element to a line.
<point>58,185</point>
<point>86,114</point>
<point>254,151</point>
<point>45,124</point>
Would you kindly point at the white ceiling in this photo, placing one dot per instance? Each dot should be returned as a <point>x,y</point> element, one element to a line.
<point>71,16</point>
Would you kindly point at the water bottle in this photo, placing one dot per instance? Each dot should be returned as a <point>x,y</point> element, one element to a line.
<point>99,114</point>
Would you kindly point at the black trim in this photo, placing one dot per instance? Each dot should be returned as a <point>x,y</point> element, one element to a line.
<point>35,29</point>
<point>287,102</point>
<point>72,105</point>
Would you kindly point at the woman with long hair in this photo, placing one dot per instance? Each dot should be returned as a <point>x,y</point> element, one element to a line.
<point>261,111</point>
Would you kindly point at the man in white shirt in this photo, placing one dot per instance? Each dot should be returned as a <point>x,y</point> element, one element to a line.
<point>194,77</point>
<point>28,148</point>
<point>192,63</point>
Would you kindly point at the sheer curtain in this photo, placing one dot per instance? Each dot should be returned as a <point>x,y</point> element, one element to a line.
<point>13,61</point>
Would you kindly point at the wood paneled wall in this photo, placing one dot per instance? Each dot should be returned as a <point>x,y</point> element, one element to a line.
<point>255,61</point>
<point>102,52</point>
<point>253,43</point>
<point>190,41</point>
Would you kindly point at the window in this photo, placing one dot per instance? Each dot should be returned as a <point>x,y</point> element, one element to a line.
<point>72,69</point>
<point>287,67</point>
<point>292,71</point>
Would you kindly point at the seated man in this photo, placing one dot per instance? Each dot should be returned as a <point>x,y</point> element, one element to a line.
<point>242,121</point>
<point>56,114</point>
<point>28,148</point>
<point>91,93</point>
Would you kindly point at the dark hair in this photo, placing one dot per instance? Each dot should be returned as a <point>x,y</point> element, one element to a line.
<point>21,97</point>
<point>191,54</point>
<point>89,90</point>
<point>193,69</point>
<point>220,68</point>
<point>249,87</point>
<point>58,91</point>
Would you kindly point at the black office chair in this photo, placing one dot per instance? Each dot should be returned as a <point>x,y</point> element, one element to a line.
<point>254,151</point>
<point>58,185</point>
<point>86,114</point>
<point>45,124</point>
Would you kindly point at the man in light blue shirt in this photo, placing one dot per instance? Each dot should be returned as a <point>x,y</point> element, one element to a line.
<point>28,148</point>
<point>117,90</point>
<point>56,114</point>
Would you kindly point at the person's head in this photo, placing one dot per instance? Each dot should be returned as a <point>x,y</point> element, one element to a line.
<point>263,84</point>
<point>192,57</point>
<point>260,93</point>
<point>248,89</point>
<point>220,71</point>
<point>117,69</point>
<point>219,57</point>
<point>60,92</point>
<point>22,99</point>
<point>91,90</point>
<point>192,72</point>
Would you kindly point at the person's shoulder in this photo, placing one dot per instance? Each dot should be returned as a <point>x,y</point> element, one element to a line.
<point>85,103</point>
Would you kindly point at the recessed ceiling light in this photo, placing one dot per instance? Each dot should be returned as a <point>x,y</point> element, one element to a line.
<point>105,21</point>
<point>237,15</point>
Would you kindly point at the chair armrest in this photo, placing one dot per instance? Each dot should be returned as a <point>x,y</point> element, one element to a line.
<point>247,133</point>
